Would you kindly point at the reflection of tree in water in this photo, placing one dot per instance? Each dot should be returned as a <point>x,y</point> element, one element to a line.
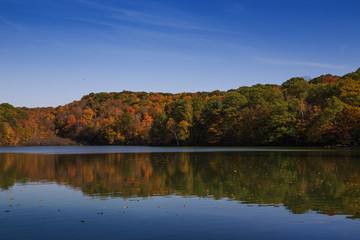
<point>326,182</point>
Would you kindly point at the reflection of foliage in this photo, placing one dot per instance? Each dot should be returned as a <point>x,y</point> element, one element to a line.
<point>326,182</point>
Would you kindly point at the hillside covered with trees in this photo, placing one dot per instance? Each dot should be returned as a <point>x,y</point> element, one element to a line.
<point>322,111</point>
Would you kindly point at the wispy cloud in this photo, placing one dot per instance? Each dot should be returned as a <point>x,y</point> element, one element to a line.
<point>274,61</point>
<point>173,20</point>
<point>141,16</point>
<point>11,24</point>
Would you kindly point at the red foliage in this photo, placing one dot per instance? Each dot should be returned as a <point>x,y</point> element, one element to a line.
<point>329,79</point>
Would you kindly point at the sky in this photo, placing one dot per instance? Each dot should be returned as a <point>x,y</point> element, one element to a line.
<point>53,52</point>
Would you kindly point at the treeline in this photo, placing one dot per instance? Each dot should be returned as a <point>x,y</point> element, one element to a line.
<point>322,111</point>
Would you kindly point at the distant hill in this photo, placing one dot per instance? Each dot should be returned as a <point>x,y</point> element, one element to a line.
<point>322,111</point>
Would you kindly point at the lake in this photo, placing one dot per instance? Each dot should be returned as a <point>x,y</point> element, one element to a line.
<point>179,193</point>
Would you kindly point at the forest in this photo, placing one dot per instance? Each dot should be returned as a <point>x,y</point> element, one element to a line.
<point>323,111</point>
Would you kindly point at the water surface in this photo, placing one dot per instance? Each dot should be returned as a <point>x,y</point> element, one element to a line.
<point>162,193</point>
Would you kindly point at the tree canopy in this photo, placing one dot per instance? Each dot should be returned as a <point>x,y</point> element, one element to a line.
<point>322,111</point>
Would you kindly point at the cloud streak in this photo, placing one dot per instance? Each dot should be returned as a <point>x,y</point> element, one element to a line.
<point>141,17</point>
<point>11,24</point>
<point>154,19</point>
<point>274,61</point>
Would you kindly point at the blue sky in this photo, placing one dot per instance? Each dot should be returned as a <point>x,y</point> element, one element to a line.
<point>55,51</point>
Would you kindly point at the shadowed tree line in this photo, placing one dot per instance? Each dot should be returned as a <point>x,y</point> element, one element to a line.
<point>322,111</point>
<point>325,182</point>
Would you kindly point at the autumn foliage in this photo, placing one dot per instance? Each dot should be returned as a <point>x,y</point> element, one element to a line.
<point>322,111</point>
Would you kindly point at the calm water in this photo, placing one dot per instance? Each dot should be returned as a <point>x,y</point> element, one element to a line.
<point>179,193</point>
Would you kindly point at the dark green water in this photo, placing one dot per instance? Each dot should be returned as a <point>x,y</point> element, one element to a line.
<point>179,193</point>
